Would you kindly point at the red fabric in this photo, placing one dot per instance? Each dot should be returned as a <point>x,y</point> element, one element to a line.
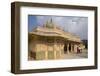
<point>78,50</point>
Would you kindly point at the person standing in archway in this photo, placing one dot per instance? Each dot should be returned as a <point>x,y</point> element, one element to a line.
<point>78,50</point>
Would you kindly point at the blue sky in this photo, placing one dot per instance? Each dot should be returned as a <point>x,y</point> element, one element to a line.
<point>73,24</point>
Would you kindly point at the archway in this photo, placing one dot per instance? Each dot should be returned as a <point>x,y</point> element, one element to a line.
<point>65,48</point>
<point>69,47</point>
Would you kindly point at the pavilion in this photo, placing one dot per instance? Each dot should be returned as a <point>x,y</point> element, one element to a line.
<point>51,42</point>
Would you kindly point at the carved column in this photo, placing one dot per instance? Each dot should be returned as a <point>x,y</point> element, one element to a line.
<point>68,47</point>
<point>71,47</point>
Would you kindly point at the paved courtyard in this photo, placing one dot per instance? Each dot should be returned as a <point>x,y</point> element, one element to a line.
<point>84,54</point>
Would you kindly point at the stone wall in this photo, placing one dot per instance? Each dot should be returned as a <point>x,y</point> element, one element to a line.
<point>44,50</point>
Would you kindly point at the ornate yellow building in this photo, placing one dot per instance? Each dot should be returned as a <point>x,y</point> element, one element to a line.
<point>51,42</point>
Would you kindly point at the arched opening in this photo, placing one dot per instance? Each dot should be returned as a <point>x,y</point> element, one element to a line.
<point>73,47</point>
<point>69,47</point>
<point>65,48</point>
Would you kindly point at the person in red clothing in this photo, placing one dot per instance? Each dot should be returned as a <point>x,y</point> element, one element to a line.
<point>78,50</point>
